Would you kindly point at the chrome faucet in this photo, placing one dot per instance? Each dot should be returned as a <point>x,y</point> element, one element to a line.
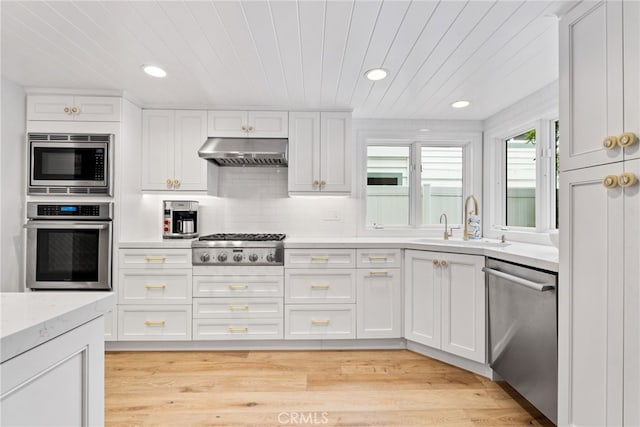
<point>465,233</point>
<point>446,234</point>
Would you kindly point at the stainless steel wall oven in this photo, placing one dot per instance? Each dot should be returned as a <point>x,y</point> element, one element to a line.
<point>69,245</point>
<point>72,164</point>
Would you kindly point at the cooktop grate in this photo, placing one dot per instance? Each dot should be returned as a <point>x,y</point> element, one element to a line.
<point>248,237</point>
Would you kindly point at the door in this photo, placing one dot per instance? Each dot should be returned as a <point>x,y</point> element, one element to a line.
<point>631,18</point>
<point>463,306</point>
<point>97,108</point>
<point>227,124</point>
<point>49,107</point>
<point>422,297</point>
<point>590,298</point>
<point>190,133</point>
<point>591,82</point>
<point>267,124</point>
<point>158,129</point>
<point>335,152</point>
<point>379,299</point>
<point>304,152</point>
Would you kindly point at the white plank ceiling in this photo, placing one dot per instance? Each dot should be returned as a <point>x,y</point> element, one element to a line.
<point>286,54</point>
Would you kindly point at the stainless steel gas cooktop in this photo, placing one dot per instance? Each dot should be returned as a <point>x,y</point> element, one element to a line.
<point>238,249</point>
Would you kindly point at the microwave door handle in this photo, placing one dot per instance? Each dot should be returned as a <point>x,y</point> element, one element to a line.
<point>59,226</point>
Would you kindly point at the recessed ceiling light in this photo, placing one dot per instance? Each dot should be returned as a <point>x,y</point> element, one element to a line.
<point>460,104</point>
<point>154,70</point>
<point>424,130</point>
<point>376,74</point>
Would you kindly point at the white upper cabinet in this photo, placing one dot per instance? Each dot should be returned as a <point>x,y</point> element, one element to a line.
<point>631,10</point>
<point>74,108</point>
<point>248,124</point>
<point>599,112</point>
<point>170,143</point>
<point>320,153</point>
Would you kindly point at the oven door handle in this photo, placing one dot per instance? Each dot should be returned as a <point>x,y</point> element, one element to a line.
<point>65,226</point>
<point>540,287</point>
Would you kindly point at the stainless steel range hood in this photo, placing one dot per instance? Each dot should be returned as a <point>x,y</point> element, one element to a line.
<point>245,151</point>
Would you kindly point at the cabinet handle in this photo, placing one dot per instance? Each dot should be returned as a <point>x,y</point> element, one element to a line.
<point>322,184</point>
<point>176,183</point>
<point>377,258</point>
<point>443,263</point>
<point>154,323</point>
<point>244,128</point>
<point>378,273</point>
<point>67,110</point>
<point>320,322</point>
<point>436,262</point>
<point>250,128</point>
<point>238,307</point>
<point>610,181</point>
<point>160,286</point>
<point>169,182</point>
<point>237,286</point>
<point>627,139</point>
<point>320,258</point>
<point>610,142</point>
<point>320,286</point>
<point>75,110</point>
<point>627,179</point>
<point>316,183</point>
<point>155,258</point>
<point>235,330</point>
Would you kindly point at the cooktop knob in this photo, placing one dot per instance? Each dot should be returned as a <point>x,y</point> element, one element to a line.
<point>205,257</point>
<point>237,257</point>
<point>222,257</point>
<point>270,258</point>
<point>253,257</point>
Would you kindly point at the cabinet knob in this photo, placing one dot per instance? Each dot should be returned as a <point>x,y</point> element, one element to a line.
<point>176,183</point>
<point>610,181</point>
<point>627,179</point>
<point>169,182</point>
<point>244,128</point>
<point>610,142</point>
<point>67,110</point>
<point>75,110</point>
<point>443,263</point>
<point>627,139</point>
<point>436,262</point>
<point>250,129</point>
<point>316,183</point>
<point>322,184</point>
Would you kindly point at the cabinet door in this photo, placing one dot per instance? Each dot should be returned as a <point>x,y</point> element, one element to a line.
<point>379,303</point>
<point>227,123</point>
<point>335,152</point>
<point>632,298</point>
<point>422,297</point>
<point>591,83</point>
<point>463,306</point>
<point>190,133</point>
<point>158,129</point>
<point>304,152</point>
<point>268,124</point>
<point>631,18</point>
<point>590,298</point>
<point>97,109</point>
<point>49,107</point>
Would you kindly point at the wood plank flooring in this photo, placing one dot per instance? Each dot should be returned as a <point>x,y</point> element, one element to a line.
<point>300,388</point>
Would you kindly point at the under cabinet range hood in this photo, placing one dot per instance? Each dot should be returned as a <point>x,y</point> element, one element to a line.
<point>245,151</point>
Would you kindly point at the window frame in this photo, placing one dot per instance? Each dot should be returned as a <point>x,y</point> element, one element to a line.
<point>471,144</point>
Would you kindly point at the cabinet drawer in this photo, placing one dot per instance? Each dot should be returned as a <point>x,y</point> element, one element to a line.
<point>373,258</point>
<point>237,329</point>
<point>154,323</point>
<point>233,286</point>
<point>155,258</point>
<point>320,321</point>
<point>320,286</point>
<point>147,286</point>
<point>237,308</point>
<point>320,258</point>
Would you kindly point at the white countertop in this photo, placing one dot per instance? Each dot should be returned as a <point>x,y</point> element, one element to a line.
<point>28,319</point>
<point>158,244</point>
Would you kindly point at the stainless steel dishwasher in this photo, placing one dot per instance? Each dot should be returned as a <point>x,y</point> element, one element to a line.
<point>523,331</point>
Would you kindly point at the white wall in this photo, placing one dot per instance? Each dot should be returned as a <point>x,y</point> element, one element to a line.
<point>12,186</point>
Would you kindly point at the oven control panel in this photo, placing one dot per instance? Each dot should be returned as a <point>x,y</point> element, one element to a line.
<point>238,256</point>
<point>70,211</point>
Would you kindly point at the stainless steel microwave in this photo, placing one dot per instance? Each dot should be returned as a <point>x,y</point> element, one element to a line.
<point>70,164</point>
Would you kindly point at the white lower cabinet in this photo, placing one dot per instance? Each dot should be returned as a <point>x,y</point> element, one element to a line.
<point>154,322</point>
<point>320,321</point>
<point>379,309</point>
<point>237,329</point>
<point>154,286</point>
<point>445,302</point>
<point>320,286</point>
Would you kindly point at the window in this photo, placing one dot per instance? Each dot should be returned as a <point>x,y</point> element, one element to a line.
<point>521,180</point>
<point>398,197</point>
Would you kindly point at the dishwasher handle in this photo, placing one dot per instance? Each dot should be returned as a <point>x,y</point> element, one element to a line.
<point>519,280</point>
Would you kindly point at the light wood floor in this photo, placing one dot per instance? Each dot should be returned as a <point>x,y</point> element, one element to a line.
<point>301,388</point>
